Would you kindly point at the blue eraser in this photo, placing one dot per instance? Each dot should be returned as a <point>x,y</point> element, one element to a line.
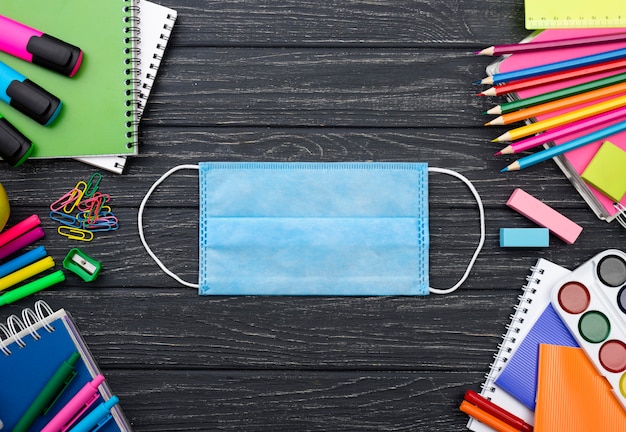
<point>524,237</point>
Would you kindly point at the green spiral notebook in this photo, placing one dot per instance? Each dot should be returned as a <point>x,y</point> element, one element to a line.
<point>97,114</point>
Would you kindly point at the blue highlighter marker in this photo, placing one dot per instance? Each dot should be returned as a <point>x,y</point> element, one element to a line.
<point>27,97</point>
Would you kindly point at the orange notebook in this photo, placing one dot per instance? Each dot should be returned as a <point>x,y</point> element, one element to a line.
<point>572,396</point>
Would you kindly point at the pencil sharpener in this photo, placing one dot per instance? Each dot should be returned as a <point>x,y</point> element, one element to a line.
<point>83,265</point>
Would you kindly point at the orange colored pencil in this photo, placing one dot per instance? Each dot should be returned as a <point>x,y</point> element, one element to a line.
<point>559,104</point>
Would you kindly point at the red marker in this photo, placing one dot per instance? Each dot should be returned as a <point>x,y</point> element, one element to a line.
<point>497,412</point>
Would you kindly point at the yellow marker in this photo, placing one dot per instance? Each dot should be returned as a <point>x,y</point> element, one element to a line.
<point>562,119</point>
<point>26,272</point>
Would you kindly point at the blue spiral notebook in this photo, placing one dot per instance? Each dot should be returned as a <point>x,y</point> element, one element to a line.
<point>35,345</point>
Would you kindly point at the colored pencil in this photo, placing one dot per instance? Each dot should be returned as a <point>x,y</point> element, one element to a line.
<point>581,72</point>
<point>578,126</point>
<point>554,67</point>
<point>486,418</point>
<point>539,99</point>
<point>497,50</point>
<point>560,120</point>
<point>559,104</point>
<point>551,152</point>
<point>497,411</point>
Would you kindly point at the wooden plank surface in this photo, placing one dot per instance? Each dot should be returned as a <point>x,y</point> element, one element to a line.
<point>307,81</point>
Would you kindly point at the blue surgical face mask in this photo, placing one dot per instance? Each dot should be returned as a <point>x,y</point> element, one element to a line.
<point>355,228</point>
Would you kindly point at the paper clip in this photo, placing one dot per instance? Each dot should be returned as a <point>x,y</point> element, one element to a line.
<point>66,199</point>
<point>79,197</point>
<point>74,233</point>
<point>65,219</point>
<point>92,184</point>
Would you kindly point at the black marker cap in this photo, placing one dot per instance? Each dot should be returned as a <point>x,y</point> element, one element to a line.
<point>34,101</point>
<point>14,147</point>
<point>54,54</point>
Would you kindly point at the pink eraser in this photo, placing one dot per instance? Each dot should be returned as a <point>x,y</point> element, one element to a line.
<point>544,215</point>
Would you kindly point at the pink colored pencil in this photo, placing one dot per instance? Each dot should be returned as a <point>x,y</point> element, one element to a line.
<point>497,50</point>
<point>578,126</point>
<point>19,229</point>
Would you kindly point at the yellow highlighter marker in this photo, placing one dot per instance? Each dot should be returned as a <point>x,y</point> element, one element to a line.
<point>26,272</point>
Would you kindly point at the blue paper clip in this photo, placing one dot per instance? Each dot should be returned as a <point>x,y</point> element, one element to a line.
<point>65,219</point>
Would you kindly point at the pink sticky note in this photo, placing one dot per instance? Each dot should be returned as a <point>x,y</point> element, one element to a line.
<point>544,215</point>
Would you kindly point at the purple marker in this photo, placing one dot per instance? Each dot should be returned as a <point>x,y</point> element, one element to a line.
<point>39,48</point>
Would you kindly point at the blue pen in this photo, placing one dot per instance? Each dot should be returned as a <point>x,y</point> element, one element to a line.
<point>551,152</point>
<point>23,260</point>
<point>97,417</point>
<point>555,67</point>
<point>27,97</point>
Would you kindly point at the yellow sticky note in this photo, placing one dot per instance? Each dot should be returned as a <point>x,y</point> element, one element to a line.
<point>607,171</point>
<point>542,14</point>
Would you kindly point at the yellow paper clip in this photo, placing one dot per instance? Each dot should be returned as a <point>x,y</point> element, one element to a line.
<point>75,233</point>
<point>80,187</point>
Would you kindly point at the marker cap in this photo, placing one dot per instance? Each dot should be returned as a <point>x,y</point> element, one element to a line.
<point>55,54</point>
<point>15,148</point>
<point>34,101</point>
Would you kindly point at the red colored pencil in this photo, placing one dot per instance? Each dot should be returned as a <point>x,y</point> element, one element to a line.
<point>496,411</point>
<point>543,45</point>
<point>554,77</point>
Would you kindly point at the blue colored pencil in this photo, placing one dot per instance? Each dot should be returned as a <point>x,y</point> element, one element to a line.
<point>554,67</point>
<point>565,147</point>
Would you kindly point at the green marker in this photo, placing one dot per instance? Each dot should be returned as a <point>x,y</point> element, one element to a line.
<point>32,287</point>
<point>49,393</point>
<point>15,148</point>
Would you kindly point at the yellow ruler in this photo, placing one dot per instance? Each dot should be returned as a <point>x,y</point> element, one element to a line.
<point>545,14</point>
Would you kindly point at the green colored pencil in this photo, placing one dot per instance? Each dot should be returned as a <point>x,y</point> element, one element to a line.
<point>557,94</point>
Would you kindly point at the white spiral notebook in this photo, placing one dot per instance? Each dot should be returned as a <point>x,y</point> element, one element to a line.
<point>532,302</point>
<point>155,24</point>
<point>32,348</point>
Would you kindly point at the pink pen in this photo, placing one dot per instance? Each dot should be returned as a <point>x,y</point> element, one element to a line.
<point>19,229</point>
<point>36,47</point>
<point>578,126</point>
<point>21,242</point>
<point>81,401</point>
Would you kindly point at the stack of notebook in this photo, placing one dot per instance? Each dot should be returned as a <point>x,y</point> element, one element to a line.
<point>103,102</point>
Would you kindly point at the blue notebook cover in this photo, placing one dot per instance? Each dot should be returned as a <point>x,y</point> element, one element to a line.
<point>24,370</point>
<point>519,376</point>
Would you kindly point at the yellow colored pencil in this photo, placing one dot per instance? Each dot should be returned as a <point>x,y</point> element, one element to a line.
<point>26,272</point>
<point>559,104</point>
<point>562,119</point>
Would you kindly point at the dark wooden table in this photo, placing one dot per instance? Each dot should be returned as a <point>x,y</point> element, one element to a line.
<point>307,81</point>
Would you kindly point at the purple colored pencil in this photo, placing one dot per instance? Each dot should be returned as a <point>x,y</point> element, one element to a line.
<point>578,126</point>
<point>497,50</point>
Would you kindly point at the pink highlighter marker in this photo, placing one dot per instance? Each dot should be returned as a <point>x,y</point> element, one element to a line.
<point>68,415</point>
<point>39,48</point>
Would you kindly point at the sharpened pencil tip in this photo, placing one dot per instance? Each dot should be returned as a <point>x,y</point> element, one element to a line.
<point>480,94</point>
<point>505,169</point>
<point>498,153</point>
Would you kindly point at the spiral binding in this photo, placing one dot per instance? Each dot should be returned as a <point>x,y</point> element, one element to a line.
<point>145,86</point>
<point>621,216</point>
<point>132,69</point>
<point>30,321</point>
<point>509,339</point>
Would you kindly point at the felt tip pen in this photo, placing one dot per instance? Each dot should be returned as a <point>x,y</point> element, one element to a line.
<point>19,228</point>
<point>23,260</point>
<point>39,48</point>
<point>15,148</point>
<point>21,242</point>
<point>26,272</point>
<point>48,393</point>
<point>96,417</point>
<point>72,410</point>
<point>32,287</point>
<point>27,97</point>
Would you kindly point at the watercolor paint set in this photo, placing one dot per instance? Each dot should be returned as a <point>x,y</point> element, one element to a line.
<point>591,301</point>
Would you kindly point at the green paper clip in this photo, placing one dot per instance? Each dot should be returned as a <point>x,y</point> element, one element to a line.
<point>83,265</point>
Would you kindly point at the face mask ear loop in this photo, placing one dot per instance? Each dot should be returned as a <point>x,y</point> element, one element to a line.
<point>481,242</point>
<point>140,223</point>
